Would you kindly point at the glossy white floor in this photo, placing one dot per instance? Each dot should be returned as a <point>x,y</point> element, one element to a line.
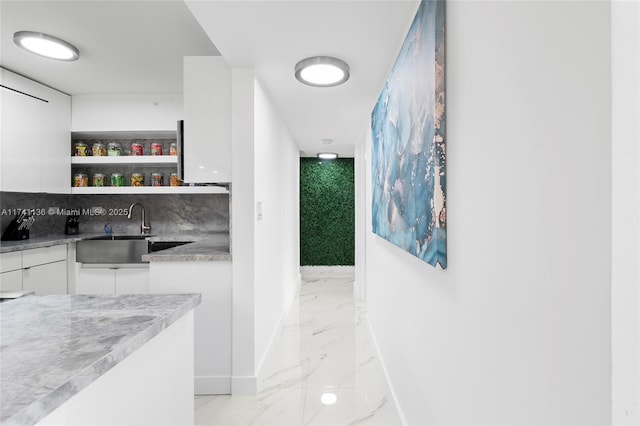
<point>323,356</point>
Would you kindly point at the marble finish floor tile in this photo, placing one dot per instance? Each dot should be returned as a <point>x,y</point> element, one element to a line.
<point>323,354</point>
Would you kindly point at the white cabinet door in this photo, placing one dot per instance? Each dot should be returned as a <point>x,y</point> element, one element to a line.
<point>21,134</point>
<point>132,280</point>
<point>55,161</point>
<point>46,279</point>
<point>35,137</point>
<point>125,112</point>
<point>96,281</point>
<point>11,280</point>
<point>10,261</point>
<point>207,120</point>
<point>40,256</point>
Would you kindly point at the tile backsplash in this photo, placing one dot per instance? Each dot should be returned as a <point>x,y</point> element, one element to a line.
<point>166,213</point>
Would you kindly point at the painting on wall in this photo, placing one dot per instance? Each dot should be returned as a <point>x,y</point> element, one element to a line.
<point>408,143</point>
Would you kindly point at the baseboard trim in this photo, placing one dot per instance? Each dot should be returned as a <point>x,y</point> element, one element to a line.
<point>387,380</point>
<point>277,332</point>
<point>328,269</point>
<point>212,385</point>
<point>244,385</point>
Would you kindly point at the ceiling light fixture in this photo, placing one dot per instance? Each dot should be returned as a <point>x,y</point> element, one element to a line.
<point>327,155</point>
<point>45,45</point>
<point>322,71</point>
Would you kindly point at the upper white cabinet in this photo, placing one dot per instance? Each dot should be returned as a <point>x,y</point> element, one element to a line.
<point>36,124</point>
<point>127,112</point>
<point>207,120</point>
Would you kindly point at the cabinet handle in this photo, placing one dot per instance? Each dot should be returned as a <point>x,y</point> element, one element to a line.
<point>23,93</point>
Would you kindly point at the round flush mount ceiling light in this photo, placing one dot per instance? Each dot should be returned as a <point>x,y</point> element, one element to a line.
<point>327,155</point>
<point>322,71</point>
<point>46,46</point>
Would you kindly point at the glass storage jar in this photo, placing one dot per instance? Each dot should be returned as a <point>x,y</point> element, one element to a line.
<point>79,149</point>
<point>117,179</point>
<point>98,149</point>
<point>80,180</point>
<point>114,149</point>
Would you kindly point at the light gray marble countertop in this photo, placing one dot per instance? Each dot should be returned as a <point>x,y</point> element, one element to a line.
<point>204,250</point>
<point>52,240</point>
<point>55,346</point>
<point>202,247</point>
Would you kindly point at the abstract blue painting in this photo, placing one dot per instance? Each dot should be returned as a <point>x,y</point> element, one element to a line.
<point>408,147</point>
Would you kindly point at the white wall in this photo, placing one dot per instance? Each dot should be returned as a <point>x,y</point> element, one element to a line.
<point>517,330</point>
<point>625,26</point>
<point>242,232</point>
<point>265,251</point>
<point>277,240</point>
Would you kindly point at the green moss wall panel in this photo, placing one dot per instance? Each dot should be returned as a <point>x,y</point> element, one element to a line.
<point>327,212</point>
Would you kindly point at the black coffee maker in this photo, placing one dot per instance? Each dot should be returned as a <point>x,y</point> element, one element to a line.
<point>72,225</point>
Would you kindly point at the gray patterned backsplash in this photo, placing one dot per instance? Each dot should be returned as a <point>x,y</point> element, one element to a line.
<point>168,214</point>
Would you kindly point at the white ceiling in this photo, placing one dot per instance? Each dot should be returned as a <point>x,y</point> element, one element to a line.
<point>125,46</point>
<point>137,47</point>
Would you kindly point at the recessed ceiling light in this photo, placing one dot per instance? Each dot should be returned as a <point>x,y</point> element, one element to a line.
<point>327,155</point>
<point>45,45</point>
<point>322,71</point>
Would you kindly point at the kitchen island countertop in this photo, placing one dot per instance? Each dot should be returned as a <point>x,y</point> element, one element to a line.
<point>55,346</point>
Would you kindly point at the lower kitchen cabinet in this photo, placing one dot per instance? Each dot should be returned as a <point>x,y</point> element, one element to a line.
<point>96,281</point>
<point>50,278</point>
<point>42,270</point>
<point>11,271</point>
<point>11,281</point>
<point>113,280</point>
<point>132,280</point>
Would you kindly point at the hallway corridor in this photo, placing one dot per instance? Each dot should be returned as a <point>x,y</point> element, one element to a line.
<point>322,371</point>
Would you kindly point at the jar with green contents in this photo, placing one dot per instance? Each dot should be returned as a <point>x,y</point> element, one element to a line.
<point>117,179</point>
<point>114,149</point>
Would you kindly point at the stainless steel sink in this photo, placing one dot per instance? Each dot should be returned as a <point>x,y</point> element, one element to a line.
<point>112,249</point>
<point>120,248</point>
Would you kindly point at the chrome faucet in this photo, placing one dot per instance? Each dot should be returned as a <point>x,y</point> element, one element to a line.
<point>144,228</point>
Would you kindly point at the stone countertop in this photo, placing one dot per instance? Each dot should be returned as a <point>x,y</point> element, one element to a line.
<point>32,243</point>
<point>203,247</point>
<point>203,250</point>
<point>55,346</point>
